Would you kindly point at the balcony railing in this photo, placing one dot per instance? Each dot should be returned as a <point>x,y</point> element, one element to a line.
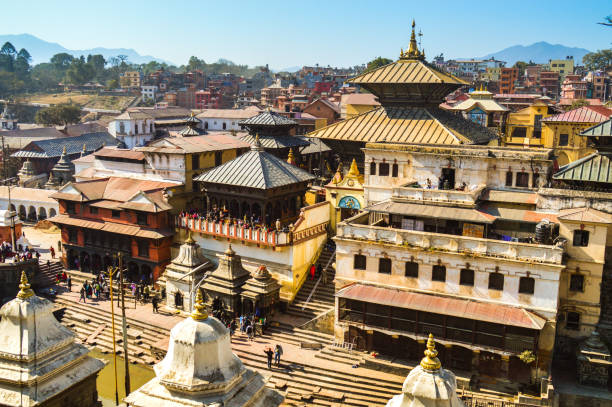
<point>257,235</point>
<point>438,195</point>
<point>452,243</point>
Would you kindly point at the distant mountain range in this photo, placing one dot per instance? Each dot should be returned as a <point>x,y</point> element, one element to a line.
<point>42,51</point>
<point>539,52</point>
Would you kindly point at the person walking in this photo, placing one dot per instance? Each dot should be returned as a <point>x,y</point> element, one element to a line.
<point>278,352</point>
<point>269,354</point>
<point>312,272</point>
<point>69,283</point>
<point>249,332</point>
<point>82,295</point>
<point>52,251</point>
<point>154,302</point>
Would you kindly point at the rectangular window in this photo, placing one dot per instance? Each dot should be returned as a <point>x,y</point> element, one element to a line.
<point>563,139</point>
<point>195,161</point>
<point>218,158</point>
<point>394,170</point>
<point>71,208</point>
<point>93,210</point>
<point>496,281</point>
<point>372,168</point>
<point>509,178</point>
<point>522,179</point>
<point>438,273</point>
<point>411,269</point>
<point>576,282</point>
<point>116,214</point>
<point>384,265</point>
<point>383,169</point>
<point>73,235</point>
<point>141,218</point>
<point>519,132</point>
<point>581,238</point>
<point>359,262</point>
<point>135,128</point>
<point>573,321</point>
<point>143,248</point>
<point>526,285</point>
<point>466,277</point>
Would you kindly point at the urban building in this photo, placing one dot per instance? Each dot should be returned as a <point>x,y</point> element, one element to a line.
<point>225,119</point>
<point>549,84</point>
<point>32,204</point>
<point>104,217</point>
<point>353,104</point>
<point>481,109</point>
<point>323,108</point>
<point>132,128</point>
<point>562,66</point>
<point>573,88</point>
<point>524,127</point>
<point>149,92</point>
<point>130,79</point>
<point>508,79</point>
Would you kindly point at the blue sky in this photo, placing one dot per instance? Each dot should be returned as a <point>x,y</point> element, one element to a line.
<point>289,33</point>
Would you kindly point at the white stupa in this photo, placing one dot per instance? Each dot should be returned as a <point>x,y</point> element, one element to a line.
<point>40,363</point>
<point>200,369</point>
<point>428,385</point>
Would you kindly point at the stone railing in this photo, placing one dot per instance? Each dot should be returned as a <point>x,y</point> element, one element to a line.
<point>257,235</point>
<point>439,195</point>
<point>470,246</point>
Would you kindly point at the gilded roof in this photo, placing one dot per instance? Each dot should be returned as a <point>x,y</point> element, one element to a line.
<point>411,71</point>
<point>596,167</point>
<point>414,125</point>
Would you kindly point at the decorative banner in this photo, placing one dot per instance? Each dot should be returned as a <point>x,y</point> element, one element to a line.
<point>349,202</point>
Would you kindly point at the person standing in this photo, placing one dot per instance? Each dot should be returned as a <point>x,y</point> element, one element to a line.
<point>249,332</point>
<point>69,283</point>
<point>269,354</point>
<point>83,295</point>
<point>278,352</point>
<point>154,302</point>
<point>52,251</point>
<point>312,272</point>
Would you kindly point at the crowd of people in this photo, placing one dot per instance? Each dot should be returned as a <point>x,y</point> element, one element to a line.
<point>223,215</point>
<point>22,253</point>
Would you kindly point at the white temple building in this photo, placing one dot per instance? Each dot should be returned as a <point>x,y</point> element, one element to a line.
<point>428,385</point>
<point>40,363</point>
<point>200,369</point>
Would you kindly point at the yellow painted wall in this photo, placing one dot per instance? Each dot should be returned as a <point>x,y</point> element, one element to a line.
<point>206,160</point>
<point>335,198</point>
<point>320,123</point>
<point>525,118</point>
<point>354,110</point>
<point>576,146</point>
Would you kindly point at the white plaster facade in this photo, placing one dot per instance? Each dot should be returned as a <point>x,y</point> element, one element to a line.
<point>29,203</point>
<point>149,92</point>
<point>132,128</point>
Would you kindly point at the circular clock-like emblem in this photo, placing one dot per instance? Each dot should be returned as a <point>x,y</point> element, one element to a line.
<point>350,182</point>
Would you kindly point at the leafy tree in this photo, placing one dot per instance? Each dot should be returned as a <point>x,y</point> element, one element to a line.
<point>59,115</point>
<point>195,63</point>
<point>79,72</point>
<point>377,63</point>
<point>112,84</point>
<point>62,60</point>
<point>578,103</point>
<point>97,64</point>
<point>521,65</point>
<point>598,60</point>
<point>45,76</point>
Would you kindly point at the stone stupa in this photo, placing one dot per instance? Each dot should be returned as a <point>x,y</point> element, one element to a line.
<point>428,385</point>
<point>200,370</point>
<point>40,363</point>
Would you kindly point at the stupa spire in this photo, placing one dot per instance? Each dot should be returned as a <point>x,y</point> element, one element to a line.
<point>290,157</point>
<point>24,288</point>
<point>199,309</point>
<point>413,50</point>
<point>430,362</point>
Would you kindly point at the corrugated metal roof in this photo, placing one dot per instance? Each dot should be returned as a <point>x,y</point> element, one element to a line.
<point>596,167</point>
<point>432,211</point>
<point>585,114</point>
<point>479,311</point>
<point>195,144</point>
<point>524,197</point>
<point>276,142</point>
<point>53,148</point>
<point>585,215</point>
<point>110,227</point>
<point>414,125</point>
<point>603,129</point>
<point>267,118</point>
<point>406,72</point>
<point>517,214</point>
<point>112,152</point>
<point>256,169</point>
<point>487,105</point>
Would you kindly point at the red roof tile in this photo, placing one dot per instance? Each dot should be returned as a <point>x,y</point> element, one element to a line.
<point>585,114</point>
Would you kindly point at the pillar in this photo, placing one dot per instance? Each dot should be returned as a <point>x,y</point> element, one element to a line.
<point>448,349</point>
<point>369,340</point>
<point>505,366</point>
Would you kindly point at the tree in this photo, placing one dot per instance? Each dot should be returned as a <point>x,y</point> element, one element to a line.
<point>112,84</point>
<point>521,65</point>
<point>59,115</point>
<point>377,63</point>
<point>598,60</point>
<point>62,60</point>
<point>578,103</point>
<point>79,72</point>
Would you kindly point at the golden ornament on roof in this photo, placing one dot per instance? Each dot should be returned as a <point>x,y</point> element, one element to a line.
<point>24,288</point>
<point>199,309</point>
<point>430,362</point>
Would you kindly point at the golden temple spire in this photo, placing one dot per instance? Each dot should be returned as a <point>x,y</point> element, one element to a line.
<point>353,171</point>
<point>430,362</point>
<point>291,158</point>
<point>189,238</point>
<point>338,175</point>
<point>64,151</point>
<point>24,288</point>
<point>199,309</point>
<point>413,50</point>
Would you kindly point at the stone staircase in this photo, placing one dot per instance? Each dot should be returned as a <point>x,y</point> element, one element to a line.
<point>315,297</point>
<point>46,276</point>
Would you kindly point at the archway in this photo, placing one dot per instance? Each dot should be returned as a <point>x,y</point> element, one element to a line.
<point>32,213</point>
<point>70,259</point>
<point>234,209</point>
<point>563,159</point>
<point>22,212</point>
<point>85,262</point>
<point>178,299</point>
<point>256,211</point>
<point>42,213</point>
<point>147,273</point>
<point>52,212</point>
<point>133,272</point>
<point>96,263</point>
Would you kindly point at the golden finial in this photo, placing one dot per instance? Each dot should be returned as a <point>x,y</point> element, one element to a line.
<point>290,158</point>
<point>199,309</point>
<point>64,151</point>
<point>413,49</point>
<point>24,288</point>
<point>430,362</point>
<point>189,239</point>
<point>192,114</point>
<point>353,171</point>
<point>84,147</point>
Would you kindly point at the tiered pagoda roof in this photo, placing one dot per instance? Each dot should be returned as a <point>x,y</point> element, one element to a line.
<point>410,91</point>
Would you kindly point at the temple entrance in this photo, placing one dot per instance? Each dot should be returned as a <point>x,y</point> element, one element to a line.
<point>489,364</point>
<point>96,263</point>
<point>460,358</point>
<point>447,180</point>
<point>358,338</point>
<point>247,307</point>
<point>178,300</point>
<point>519,371</point>
<point>71,259</point>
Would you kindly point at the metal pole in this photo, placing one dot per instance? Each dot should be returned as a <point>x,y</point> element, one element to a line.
<point>110,277</point>
<point>125,342</point>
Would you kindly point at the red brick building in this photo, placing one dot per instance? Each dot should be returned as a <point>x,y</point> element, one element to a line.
<point>507,80</point>
<point>101,218</point>
<point>322,108</point>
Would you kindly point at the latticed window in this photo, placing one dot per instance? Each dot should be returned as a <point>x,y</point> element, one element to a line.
<point>384,265</point>
<point>438,273</point>
<point>411,269</point>
<point>496,281</point>
<point>526,285</point>
<point>576,282</point>
<point>466,277</point>
<point>359,262</point>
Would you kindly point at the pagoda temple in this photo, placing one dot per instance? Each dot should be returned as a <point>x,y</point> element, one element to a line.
<point>61,173</point>
<point>40,362</point>
<point>200,369</point>
<point>256,184</point>
<point>410,91</point>
<point>192,128</point>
